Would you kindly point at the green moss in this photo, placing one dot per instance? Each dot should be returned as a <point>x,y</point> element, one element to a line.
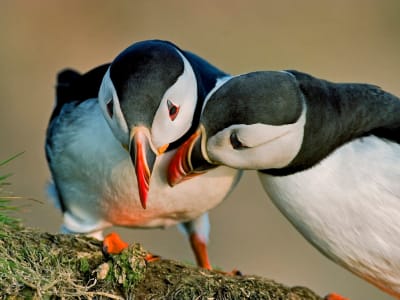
<point>84,265</point>
<point>127,269</point>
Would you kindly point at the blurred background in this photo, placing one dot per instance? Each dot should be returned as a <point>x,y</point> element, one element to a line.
<point>357,41</point>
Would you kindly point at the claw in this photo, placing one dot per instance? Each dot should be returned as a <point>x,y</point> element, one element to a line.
<point>151,257</point>
<point>236,272</point>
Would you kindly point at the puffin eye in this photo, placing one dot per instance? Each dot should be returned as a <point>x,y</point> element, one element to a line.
<point>173,109</point>
<point>236,144</point>
<point>110,108</point>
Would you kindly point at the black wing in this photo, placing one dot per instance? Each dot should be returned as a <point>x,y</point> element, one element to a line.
<point>73,87</point>
<point>361,109</point>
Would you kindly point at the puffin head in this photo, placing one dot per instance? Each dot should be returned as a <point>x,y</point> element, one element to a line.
<point>148,97</point>
<point>252,121</point>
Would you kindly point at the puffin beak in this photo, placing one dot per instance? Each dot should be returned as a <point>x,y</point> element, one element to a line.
<point>188,160</point>
<point>143,157</point>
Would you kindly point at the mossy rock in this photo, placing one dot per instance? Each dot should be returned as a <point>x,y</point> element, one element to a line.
<point>36,265</point>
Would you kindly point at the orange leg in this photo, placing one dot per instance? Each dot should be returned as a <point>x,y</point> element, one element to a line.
<point>334,296</point>
<point>199,248</point>
<point>113,244</point>
<point>200,251</point>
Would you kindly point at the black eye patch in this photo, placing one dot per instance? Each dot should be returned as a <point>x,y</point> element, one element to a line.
<point>110,108</point>
<point>236,144</point>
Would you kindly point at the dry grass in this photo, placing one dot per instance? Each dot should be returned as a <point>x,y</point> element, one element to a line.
<point>35,265</point>
<point>166,279</point>
<point>44,266</point>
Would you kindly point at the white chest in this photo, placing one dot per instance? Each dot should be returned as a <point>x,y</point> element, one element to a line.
<point>97,179</point>
<point>348,206</point>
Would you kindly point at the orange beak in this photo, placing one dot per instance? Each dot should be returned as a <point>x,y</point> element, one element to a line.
<point>143,158</point>
<point>179,166</point>
<point>188,161</point>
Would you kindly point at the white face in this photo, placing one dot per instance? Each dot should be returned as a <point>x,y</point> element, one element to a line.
<point>109,104</point>
<point>175,114</point>
<point>173,117</point>
<point>257,146</point>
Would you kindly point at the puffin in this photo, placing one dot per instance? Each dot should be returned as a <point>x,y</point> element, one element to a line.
<point>111,135</point>
<point>327,155</point>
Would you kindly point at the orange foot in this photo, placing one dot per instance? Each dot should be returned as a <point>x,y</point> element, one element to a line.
<point>113,244</point>
<point>334,296</point>
<point>151,257</point>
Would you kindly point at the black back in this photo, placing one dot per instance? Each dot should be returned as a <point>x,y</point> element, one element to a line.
<point>337,113</point>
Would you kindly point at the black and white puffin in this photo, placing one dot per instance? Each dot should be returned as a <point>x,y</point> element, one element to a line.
<point>327,154</point>
<point>111,135</point>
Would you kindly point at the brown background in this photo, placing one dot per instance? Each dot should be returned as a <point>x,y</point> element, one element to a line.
<point>340,41</point>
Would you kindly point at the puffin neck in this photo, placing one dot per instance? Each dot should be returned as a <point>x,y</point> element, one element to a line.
<point>207,77</point>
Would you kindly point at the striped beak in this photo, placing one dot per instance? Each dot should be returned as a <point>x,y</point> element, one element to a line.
<point>188,161</point>
<point>143,158</point>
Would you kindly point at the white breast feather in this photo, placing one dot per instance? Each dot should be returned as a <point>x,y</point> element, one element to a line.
<point>97,179</point>
<point>348,206</point>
